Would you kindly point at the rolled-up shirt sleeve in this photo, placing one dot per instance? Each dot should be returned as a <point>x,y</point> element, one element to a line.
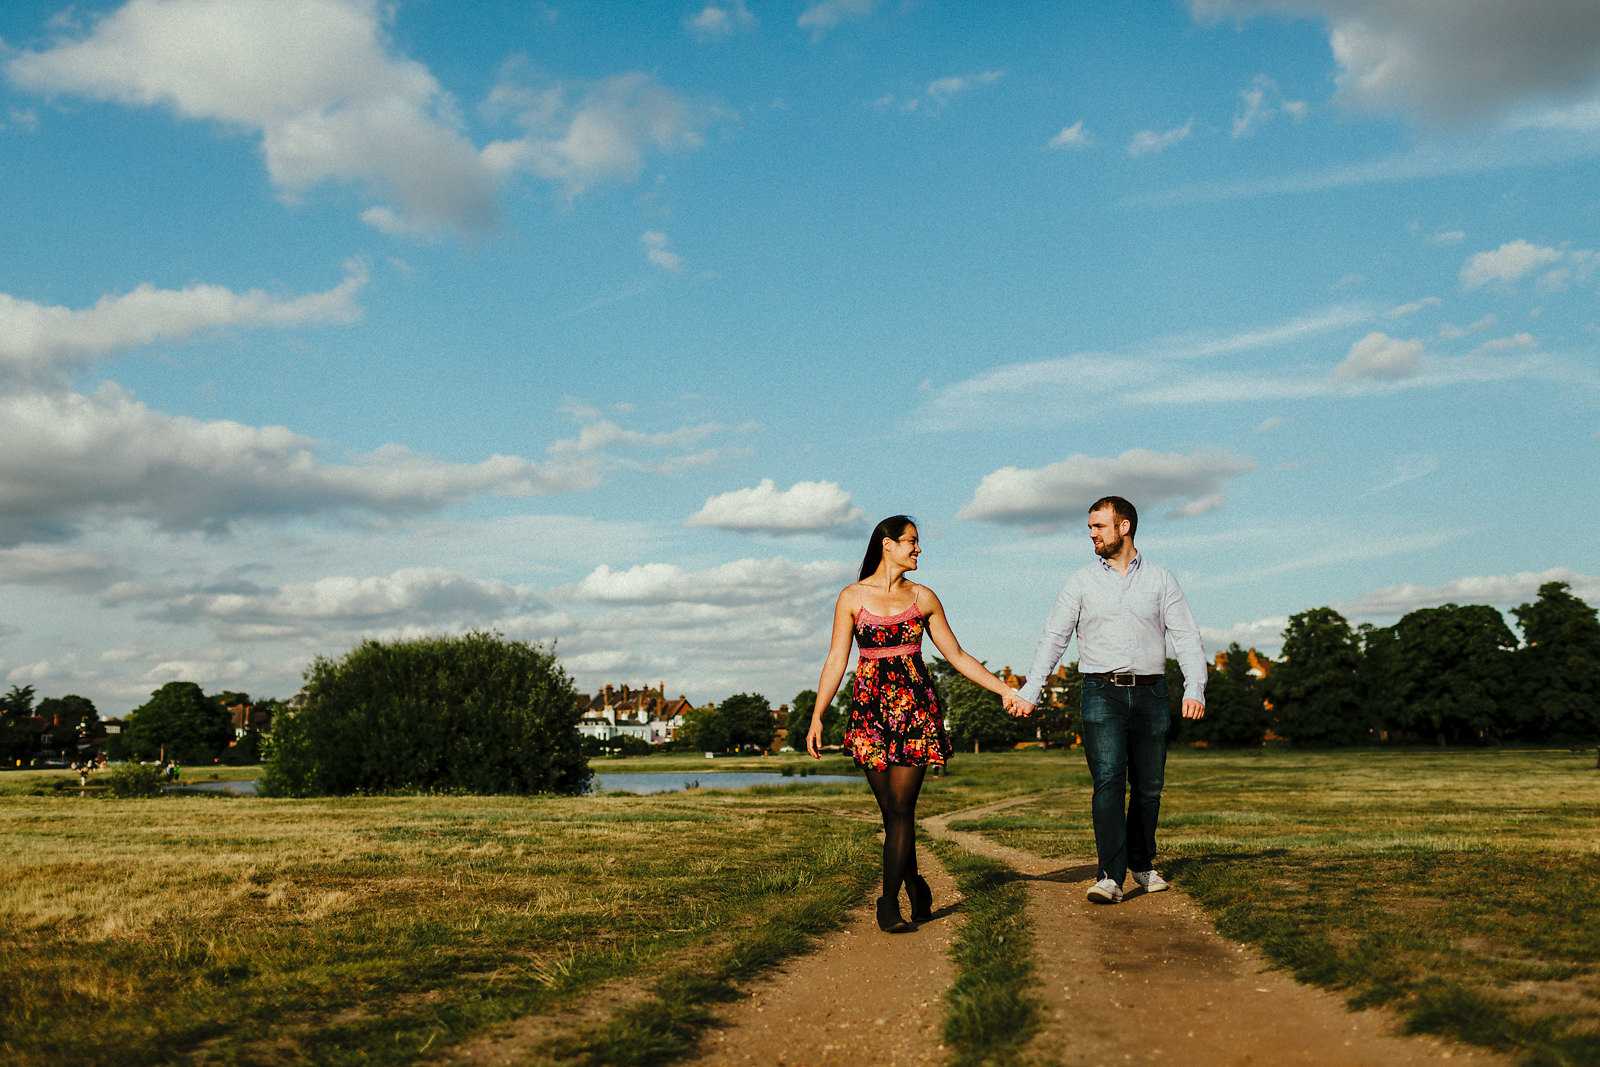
<point>1179,623</point>
<point>1058,631</point>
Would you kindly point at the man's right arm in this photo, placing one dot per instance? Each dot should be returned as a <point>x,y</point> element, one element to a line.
<point>1058,631</point>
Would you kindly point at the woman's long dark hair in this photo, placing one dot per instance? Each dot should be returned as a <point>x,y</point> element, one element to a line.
<point>892,528</point>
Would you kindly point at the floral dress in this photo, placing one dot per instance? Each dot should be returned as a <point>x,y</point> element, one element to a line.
<point>894,718</point>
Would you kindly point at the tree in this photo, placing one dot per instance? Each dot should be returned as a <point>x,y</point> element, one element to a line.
<point>743,720</point>
<point>77,722</point>
<point>16,739</point>
<point>1315,687</point>
<point>1376,674</point>
<point>1558,673</point>
<point>473,713</point>
<point>749,719</point>
<point>1058,717</point>
<point>1236,713</point>
<point>178,722</point>
<point>1453,672</point>
<point>977,717</point>
<point>800,709</point>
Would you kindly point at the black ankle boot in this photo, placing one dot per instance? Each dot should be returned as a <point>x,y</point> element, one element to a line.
<point>889,920</point>
<point>921,898</point>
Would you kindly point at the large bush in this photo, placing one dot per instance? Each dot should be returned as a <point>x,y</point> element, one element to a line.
<point>475,713</point>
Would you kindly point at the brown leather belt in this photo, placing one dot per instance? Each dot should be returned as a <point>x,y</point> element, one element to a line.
<point>1127,678</point>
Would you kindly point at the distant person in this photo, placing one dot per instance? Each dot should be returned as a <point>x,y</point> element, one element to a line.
<point>896,727</point>
<point>1123,608</point>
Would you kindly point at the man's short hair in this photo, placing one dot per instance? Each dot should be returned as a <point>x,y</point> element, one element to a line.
<point>1120,509</point>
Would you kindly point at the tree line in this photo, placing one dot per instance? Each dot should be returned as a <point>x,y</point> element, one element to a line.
<point>1448,675</point>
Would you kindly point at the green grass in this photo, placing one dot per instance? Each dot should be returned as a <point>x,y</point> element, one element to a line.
<point>991,1011</point>
<point>1460,888</point>
<point>243,930</point>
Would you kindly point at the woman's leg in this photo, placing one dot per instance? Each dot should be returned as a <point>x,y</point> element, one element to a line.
<point>896,789</point>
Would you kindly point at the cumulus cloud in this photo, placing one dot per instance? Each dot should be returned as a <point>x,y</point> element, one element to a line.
<point>1377,355</point>
<point>578,135</point>
<point>937,93</point>
<point>1501,590</point>
<point>64,458</point>
<point>1262,102</point>
<point>412,597</point>
<point>741,582</point>
<point>826,15</point>
<point>1449,62</point>
<point>321,85</point>
<point>1515,260</point>
<point>56,567</point>
<point>38,340</point>
<point>805,507</point>
<point>1059,494</point>
<point>716,21</point>
<point>1147,141</point>
<point>1071,137</point>
<point>656,250</point>
<point>316,79</point>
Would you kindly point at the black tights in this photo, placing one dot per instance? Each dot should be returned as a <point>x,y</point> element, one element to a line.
<point>896,789</point>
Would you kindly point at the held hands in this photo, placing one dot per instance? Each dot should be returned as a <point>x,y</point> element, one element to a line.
<point>1016,706</point>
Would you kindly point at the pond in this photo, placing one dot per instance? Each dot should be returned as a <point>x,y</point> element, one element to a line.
<point>640,782</point>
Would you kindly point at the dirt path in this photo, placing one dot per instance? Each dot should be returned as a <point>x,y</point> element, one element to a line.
<point>1145,981</point>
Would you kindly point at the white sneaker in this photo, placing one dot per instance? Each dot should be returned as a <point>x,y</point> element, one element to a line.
<point>1105,891</point>
<point>1150,881</point>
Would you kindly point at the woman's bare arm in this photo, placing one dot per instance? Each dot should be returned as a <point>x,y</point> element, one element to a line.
<point>832,669</point>
<point>944,639</point>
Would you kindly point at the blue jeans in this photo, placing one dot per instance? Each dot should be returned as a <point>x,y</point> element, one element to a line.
<point>1125,740</point>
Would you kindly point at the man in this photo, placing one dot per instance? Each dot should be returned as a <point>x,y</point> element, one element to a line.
<point>1122,607</point>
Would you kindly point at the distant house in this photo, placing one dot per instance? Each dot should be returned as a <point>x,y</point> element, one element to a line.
<point>646,714</point>
<point>250,719</point>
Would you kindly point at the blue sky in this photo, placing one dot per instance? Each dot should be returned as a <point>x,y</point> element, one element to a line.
<point>618,325</point>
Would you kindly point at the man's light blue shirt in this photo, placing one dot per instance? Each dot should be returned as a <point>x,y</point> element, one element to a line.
<point>1122,622</point>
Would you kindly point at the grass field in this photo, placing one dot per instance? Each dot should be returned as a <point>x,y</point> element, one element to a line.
<point>1461,888</point>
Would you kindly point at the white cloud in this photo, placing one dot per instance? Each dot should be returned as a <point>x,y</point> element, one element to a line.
<point>1377,355</point>
<point>1059,494</point>
<point>718,21</point>
<point>805,507</point>
<point>1262,102</point>
<point>1449,62</point>
<point>827,15</point>
<point>319,82</point>
<point>937,93</point>
<point>1506,264</point>
<point>1263,635</point>
<point>316,78</point>
<point>1501,590</point>
<point>740,582</point>
<point>56,567</point>
<point>36,339</point>
<point>1071,137</point>
<point>655,247</point>
<point>1404,310</point>
<point>1147,141</point>
<point>604,136</point>
<point>1272,422</point>
<point>428,597</point>
<point>64,458</point>
<point>1409,469</point>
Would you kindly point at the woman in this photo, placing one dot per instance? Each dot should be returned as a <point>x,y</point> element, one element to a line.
<point>896,727</point>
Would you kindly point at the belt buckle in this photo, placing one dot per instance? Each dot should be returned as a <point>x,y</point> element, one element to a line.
<point>1117,679</point>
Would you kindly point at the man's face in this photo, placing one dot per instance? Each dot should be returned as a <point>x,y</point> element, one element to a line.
<point>1106,533</point>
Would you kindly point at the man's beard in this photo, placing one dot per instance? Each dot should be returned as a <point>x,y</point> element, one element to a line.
<point>1110,548</point>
